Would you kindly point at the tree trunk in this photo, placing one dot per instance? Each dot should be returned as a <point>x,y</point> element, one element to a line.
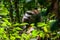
<point>55,8</point>
<point>17,11</point>
<point>11,11</point>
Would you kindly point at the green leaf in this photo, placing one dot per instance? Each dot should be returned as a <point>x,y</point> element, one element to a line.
<point>52,21</point>
<point>23,24</point>
<point>16,24</point>
<point>18,28</point>
<point>35,33</point>
<point>3,11</point>
<point>41,24</point>
<point>12,38</point>
<point>45,29</point>
<point>42,34</point>
<point>6,21</point>
<point>1,30</point>
<point>3,24</point>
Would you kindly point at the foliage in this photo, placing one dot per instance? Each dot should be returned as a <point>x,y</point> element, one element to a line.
<point>3,10</point>
<point>15,31</point>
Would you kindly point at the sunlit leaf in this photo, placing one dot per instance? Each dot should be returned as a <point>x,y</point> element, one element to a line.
<point>35,33</point>
<point>23,23</point>
<point>42,34</point>
<point>45,29</point>
<point>12,38</point>
<point>1,30</point>
<point>41,24</point>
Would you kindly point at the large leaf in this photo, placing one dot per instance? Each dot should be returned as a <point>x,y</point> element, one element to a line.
<point>3,10</point>
<point>35,33</point>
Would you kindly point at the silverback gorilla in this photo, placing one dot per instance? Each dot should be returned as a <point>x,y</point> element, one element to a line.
<point>32,17</point>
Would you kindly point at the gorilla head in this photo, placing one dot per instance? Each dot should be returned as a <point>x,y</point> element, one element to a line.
<point>31,16</point>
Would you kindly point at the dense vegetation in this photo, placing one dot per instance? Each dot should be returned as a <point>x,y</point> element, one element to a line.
<point>12,28</point>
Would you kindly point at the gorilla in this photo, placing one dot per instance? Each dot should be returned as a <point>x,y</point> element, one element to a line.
<point>32,17</point>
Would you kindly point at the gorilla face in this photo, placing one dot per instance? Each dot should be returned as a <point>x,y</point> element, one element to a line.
<point>27,16</point>
<point>31,16</point>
